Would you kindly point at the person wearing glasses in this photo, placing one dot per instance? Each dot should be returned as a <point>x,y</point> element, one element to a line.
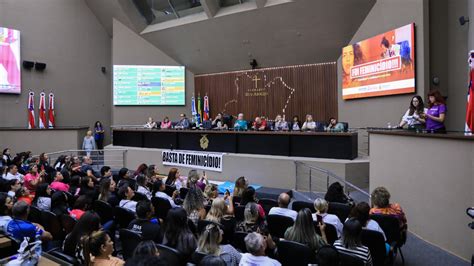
<point>183,122</point>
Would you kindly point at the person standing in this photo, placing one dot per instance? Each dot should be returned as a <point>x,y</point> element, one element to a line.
<point>99,135</point>
<point>436,113</point>
<point>89,143</point>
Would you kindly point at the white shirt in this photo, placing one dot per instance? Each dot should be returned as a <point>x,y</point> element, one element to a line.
<point>411,119</point>
<point>309,126</point>
<point>333,220</point>
<point>374,226</point>
<point>129,205</point>
<point>163,195</point>
<point>10,176</point>
<point>11,194</point>
<point>284,212</point>
<point>4,220</point>
<point>251,260</point>
<point>144,191</point>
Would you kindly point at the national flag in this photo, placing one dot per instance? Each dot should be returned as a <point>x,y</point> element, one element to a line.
<point>193,108</point>
<point>206,108</point>
<point>42,111</point>
<point>470,95</point>
<point>199,111</point>
<point>31,110</point>
<point>51,112</point>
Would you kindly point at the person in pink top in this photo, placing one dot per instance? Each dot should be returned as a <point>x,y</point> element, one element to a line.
<point>33,178</point>
<point>57,184</point>
<point>166,123</point>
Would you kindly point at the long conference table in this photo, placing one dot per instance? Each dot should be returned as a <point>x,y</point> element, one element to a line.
<point>302,144</point>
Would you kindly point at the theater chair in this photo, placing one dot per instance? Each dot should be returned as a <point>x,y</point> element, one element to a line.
<point>52,224</point>
<point>67,223</point>
<point>171,255</point>
<point>341,210</point>
<point>183,192</point>
<point>162,206</point>
<point>34,215</point>
<point>169,190</point>
<point>330,230</point>
<point>294,253</point>
<point>391,227</point>
<point>57,253</point>
<point>139,197</point>
<point>197,257</point>
<point>277,224</point>
<point>238,241</point>
<point>239,213</point>
<point>299,205</point>
<point>123,217</point>
<point>130,240</point>
<point>375,242</point>
<point>104,210</point>
<point>349,260</point>
<point>267,204</point>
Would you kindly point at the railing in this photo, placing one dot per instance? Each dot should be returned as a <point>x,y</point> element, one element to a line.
<point>115,158</point>
<point>313,182</point>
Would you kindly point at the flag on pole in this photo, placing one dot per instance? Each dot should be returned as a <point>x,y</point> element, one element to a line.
<point>193,108</point>
<point>51,114</point>
<point>206,108</point>
<point>31,110</point>
<point>199,111</point>
<point>42,111</point>
<point>470,95</point>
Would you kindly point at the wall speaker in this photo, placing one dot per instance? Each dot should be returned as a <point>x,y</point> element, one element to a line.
<point>28,64</point>
<point>103,69</point>
<point>254,64</point>
<point>40,66</point>
<point>463,20</point>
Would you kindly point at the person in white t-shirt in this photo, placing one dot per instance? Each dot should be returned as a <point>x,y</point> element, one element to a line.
<point>282,209</point>
<point>159,187</point>
<point>13,173</point>
<point>256,245</point>
<point>126,194</point>
<point>321,206</point>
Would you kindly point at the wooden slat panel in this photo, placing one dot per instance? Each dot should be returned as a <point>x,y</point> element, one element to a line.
<point>315,91</point>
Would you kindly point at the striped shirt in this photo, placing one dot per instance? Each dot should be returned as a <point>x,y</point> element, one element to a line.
<point>361,252</point>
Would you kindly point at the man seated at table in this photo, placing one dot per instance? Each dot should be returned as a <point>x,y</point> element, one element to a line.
<point>259,124</point>
<point>183,122</point>
<point>218,122</point>
<point>19,228</point>
<point>280,123</point>
<point>240,124</point>
<point>334,126</point>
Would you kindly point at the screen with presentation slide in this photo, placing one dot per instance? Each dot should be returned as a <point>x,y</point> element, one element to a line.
<point>10,71</point>
<point>381,65</point>
<point>149,85</point>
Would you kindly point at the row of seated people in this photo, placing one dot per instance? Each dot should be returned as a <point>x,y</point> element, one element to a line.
<point>179,222</point>
<point>260,123</point>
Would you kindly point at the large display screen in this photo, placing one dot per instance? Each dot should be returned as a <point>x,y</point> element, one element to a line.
<point>149,85</point>
<point>381,65</point>
<point>10,71</point>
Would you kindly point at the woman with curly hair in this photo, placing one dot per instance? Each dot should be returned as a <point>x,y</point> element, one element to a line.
<point>194,205</point>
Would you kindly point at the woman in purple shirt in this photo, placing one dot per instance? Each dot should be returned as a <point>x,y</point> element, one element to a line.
<point>436,113</point>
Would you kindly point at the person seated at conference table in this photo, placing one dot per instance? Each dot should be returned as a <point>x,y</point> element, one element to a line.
<point>436,113</point>
<point>334,126</point>
<point>280,123</point>
<point>259,124</point>
<point>309,124</point>
<point>183,122</point>
<point>240,124</point>
<point>413,116</point>
<point>218,122</point>
<point>295,124</point>
<point>166,123</point>
<point>150,123</point>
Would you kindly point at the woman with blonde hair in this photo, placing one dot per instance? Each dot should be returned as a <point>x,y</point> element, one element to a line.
<point>100,246</point>
<point>240,185</point>
<point>219,209</point>
<point>210,243</point>
<point>88,144</point>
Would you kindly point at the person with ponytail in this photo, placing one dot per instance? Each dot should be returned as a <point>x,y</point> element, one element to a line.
<point>98,248</point>
<point>210,243</point>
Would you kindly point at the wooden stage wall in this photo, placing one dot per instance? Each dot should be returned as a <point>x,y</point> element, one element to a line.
<point>292,90</point>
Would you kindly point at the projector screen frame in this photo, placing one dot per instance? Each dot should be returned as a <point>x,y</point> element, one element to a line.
<point>19,65</point>
<point>148,105</point>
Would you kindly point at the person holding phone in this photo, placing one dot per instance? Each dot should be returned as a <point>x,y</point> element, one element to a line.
<point>321,206</point>
<point>33,178</point>
<point>303,231</point>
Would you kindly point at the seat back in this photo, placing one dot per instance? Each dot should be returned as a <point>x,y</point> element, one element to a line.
<point>350,260</point>
<point>375,242</point>
<point>346,126</point>
<point>294,253</point>
<point>202,225</point>
<point>330,230</point>
<point>104,210</point>
<point>239,213</point>
<point>35,215</point>
<point>169,190</point>
<point>277,224</point>
<point>52,224</point>
<point>162,206</point>
<point>229,225</point>
<point>299,205</point>
<point>267,204</point>
<point>236,199</point>
<point>197,257</point>
<point>170,255</point>
<point>64,257</point>
<point>238,241</point>
<point>328,255</point>
<point>391,227</point>
<point>341,210</point>
<point>139,197</point>
<point>123,217</point>
<point>67,223</point>
<point>130,240</point>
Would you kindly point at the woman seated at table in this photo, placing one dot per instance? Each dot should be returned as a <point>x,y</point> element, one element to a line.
<point>309,124</point>
<point>413,116</point>
<point>280,123</point>
<point>166,123</point>
<point>334,126</point>
<point>240,123</point>
<point>295,124</point>
<point>150,123</point>
<point>218,122</point>
<point>259,124</point>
